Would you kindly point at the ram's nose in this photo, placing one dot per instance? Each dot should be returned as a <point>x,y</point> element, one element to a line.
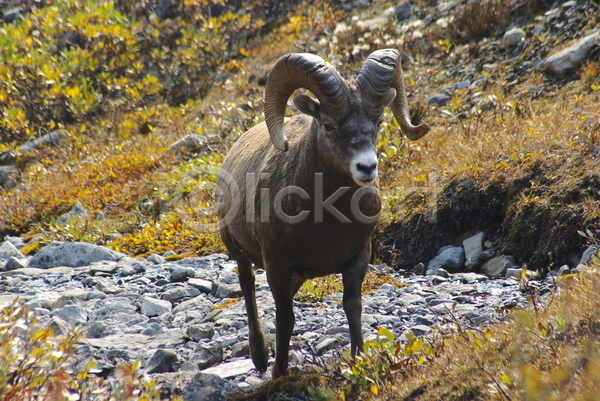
<point>364,168</point>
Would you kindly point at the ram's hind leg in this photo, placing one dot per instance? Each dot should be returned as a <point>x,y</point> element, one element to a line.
<point>258,344</point>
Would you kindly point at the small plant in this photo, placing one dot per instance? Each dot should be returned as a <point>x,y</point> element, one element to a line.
<point>37,364</point>
<point>316,289</point>
<point>376,369</point>
<point>479,18</point>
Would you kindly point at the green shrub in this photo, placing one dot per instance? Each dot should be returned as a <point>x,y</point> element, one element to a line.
<point>37,364</point>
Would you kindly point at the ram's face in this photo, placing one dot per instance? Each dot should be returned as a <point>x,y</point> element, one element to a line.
<point>352,143</point>
<point>348,143</point>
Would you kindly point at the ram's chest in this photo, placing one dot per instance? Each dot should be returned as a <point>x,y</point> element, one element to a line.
<point>323,241</point>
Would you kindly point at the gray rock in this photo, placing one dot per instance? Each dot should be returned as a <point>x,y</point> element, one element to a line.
<point>402,11</point>
<point>188,144</point>
<point>240,349</point>
<point>438,272</point>
<point>476,261</point>
<point>387,288</point>
<point>198,332</point>
<point>515,272</point>
<point>512,37</point>
<point>563,270</point>
<point>78,211</point>
<point>438,100</point>
<point>470,278</point>
<point>181,273</point>
<point>419,330</point>
<point>537,30</point>
<point>419,269</point>
<point>102,267</point>
<point>13,264</point>
<point>188,366</point>
<point>497,266</point>
<point>425,320</point>
<point>220,290</point>
<point>327,344</point>
<point>72,254</point>
<point>436,300</point>
<point>156,259</point>
<point>296,357</point>
<point>12,15</point>
<point>138,342</point>
<point>99,329</point>
<point>201,284</point>
<point>113,307</point>
<point>572,56</point>
<point>165,9</point>
<point>473,245</point>
<point>462,85</point>
<point>152,329</point>
<point>74,293</point>
<point>463,299</point>
<point>372,24</point>
<point>44,299</point>
<point>128,266</point>
<point>8,250</point>
<point>337,330</point>
<point>16,241</point>
<point>232,369</point>
<point>199,303</point>
<point>53,138</point>
<point>59,326</point>
<point>163,361</point>
<point>208,354</point>
<point>208,387</point>
<point>176,294</point>
<point>154,307</point>
<point>476,318</point>
<point>106,286</point>
<point>71,313</point>
<point>450,259</point>
<point>588,254</point>
<point>443,308</point>
<point>8,176</point>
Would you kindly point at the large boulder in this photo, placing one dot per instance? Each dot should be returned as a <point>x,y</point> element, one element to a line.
<point>569,58</point>
<point>72,254</point>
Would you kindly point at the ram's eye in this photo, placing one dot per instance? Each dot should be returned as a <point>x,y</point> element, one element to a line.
<point>328,127</point>
<point>379,123</point>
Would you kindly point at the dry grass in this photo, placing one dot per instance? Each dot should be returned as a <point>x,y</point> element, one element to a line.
<point>478,19</point>
<point>547,352</point>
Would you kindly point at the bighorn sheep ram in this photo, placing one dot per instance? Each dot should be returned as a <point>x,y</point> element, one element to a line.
<point>329,152</point>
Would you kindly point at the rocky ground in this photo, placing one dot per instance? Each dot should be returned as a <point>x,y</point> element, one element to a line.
<point>185,322</point>
<point>184,319</point>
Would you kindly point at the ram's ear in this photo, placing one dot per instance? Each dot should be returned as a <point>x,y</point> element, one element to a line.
<point>389,97</point>
<point>308,105</point>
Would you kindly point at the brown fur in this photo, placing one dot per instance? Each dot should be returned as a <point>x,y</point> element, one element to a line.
<point>292,253</point>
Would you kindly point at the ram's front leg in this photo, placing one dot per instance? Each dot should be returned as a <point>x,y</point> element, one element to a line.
<point>281,284</point>
<point>353,274</point>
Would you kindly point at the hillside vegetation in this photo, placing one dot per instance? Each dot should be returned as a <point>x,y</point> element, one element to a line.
<point>94,95</point>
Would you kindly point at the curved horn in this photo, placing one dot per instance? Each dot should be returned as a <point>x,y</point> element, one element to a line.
<point>300,70</point>
<point>383,70</point>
